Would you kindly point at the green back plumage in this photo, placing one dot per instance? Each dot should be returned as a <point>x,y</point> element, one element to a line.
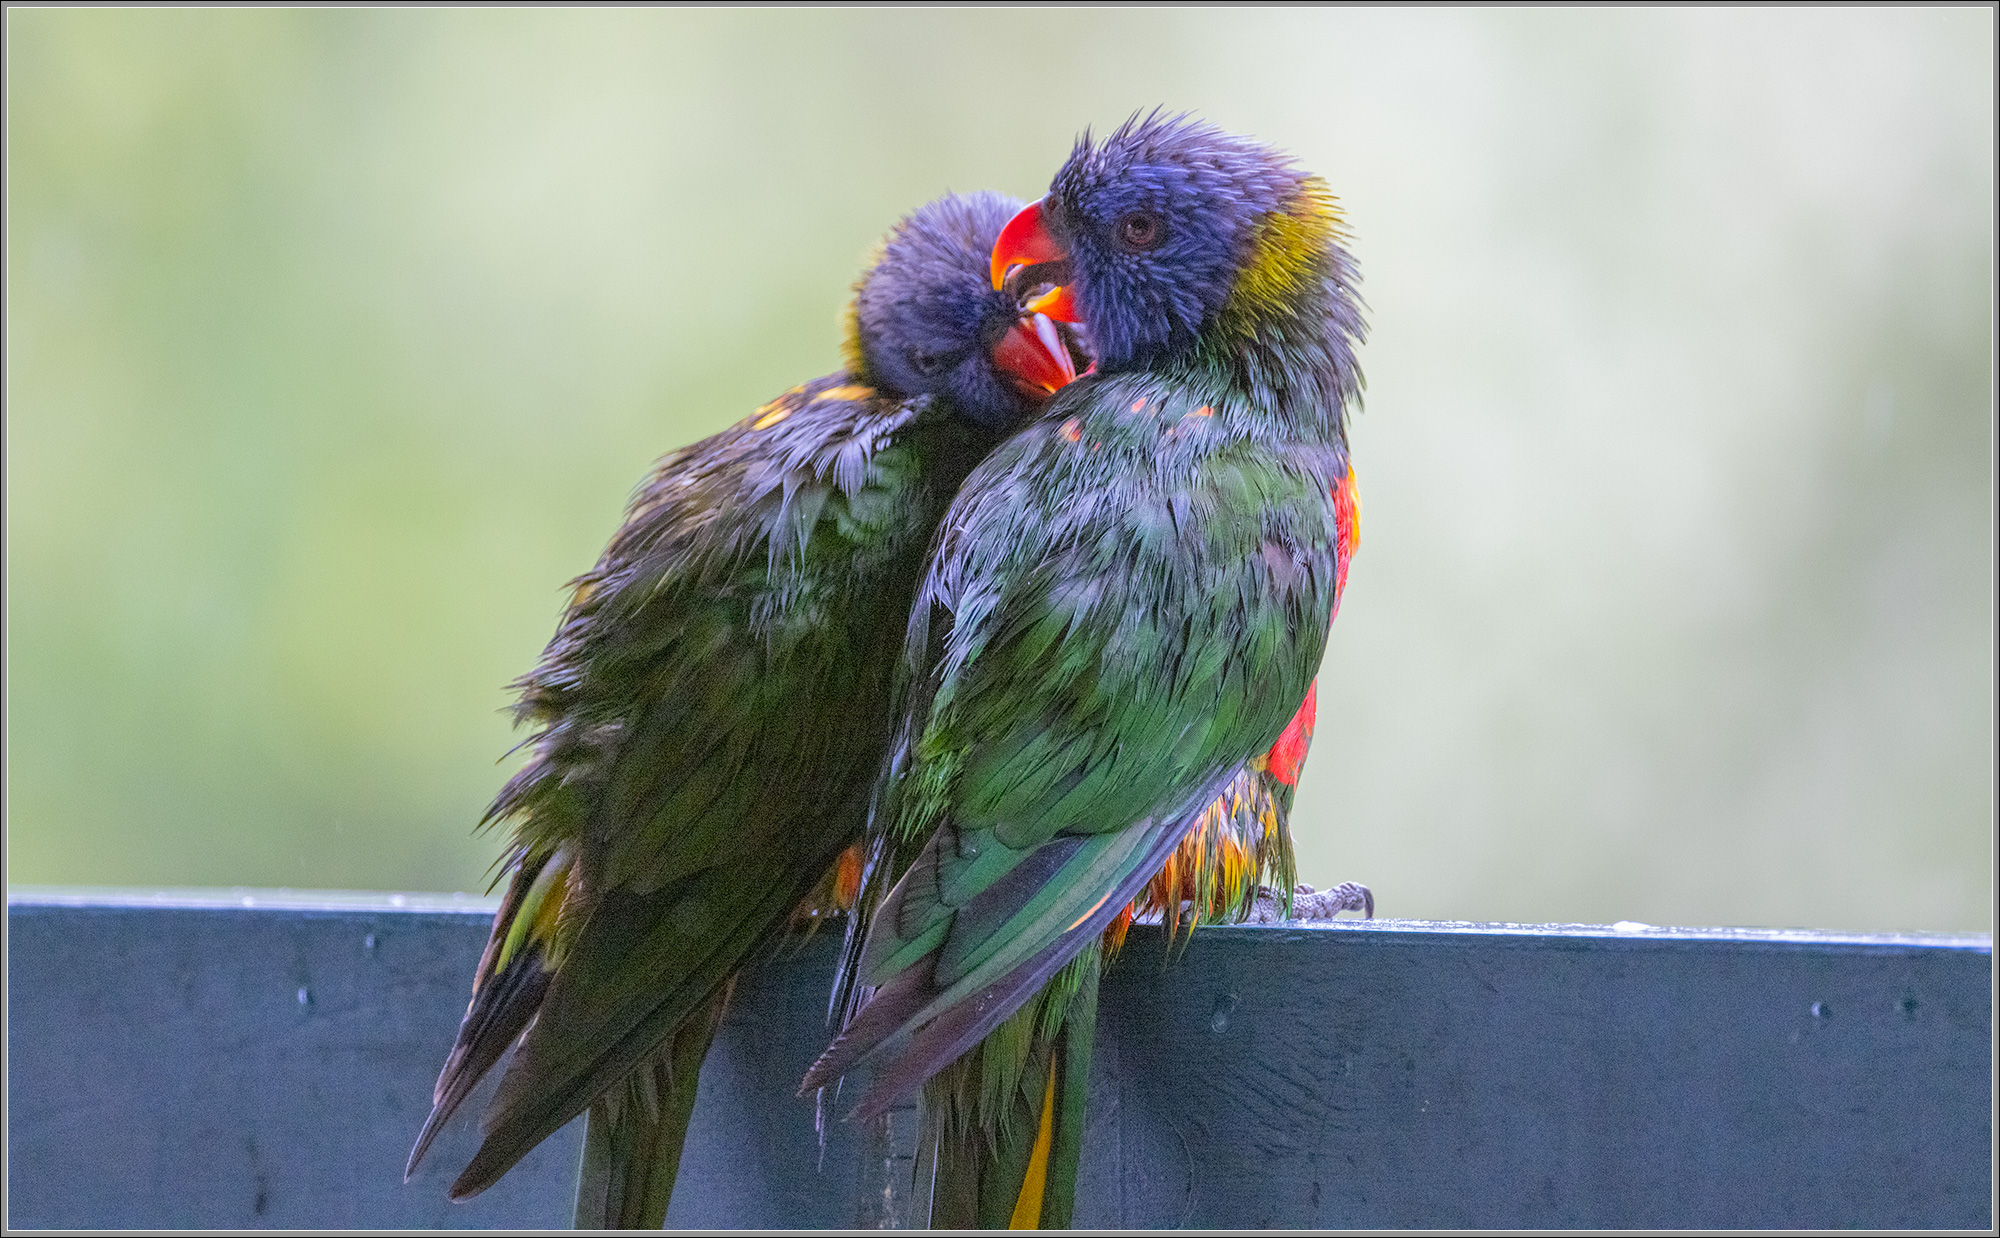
<point>1074,724</point>
<point>1129,600</point>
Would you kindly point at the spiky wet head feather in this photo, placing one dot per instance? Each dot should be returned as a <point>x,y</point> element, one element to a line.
<point>1186,240</point>
<point>925,316</point>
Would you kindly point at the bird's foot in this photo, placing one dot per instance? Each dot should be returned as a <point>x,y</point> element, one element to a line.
<point>1311,904</point>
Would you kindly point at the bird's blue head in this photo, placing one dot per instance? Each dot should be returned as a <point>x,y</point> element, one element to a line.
<point>926,319</point>
<point>1169,230</point>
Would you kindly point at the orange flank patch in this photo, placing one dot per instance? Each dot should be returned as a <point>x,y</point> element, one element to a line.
<point>1072,430</point>
<point>1352,492</point>
<point>837,890</point>
<point>1289,753</point>
<point>848,391</point>
<point>1213,873</point>
<point>1193,414</point>
<point>1168,889</point>
<point>847,878</point>
<point>1347,532</point>
<point>1139,405</point>
<point>581,594</point>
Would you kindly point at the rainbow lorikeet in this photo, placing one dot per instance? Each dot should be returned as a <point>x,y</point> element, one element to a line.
<point>985,1157</point>
<point>713,710</point>
<point>1125,609</point>
<point>988,1156</point>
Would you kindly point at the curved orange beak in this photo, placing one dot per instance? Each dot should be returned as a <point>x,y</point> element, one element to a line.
<point>1032,357</point>
<point>1025,245</point>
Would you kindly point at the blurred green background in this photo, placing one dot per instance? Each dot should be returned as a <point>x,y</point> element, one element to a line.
<point>337,339</point>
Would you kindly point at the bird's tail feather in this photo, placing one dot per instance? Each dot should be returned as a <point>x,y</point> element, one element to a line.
<point>929,1048</point>
<point>1070,1102</point>
<point>634,1135</point>
<point>513,976</point>
<point>1010,1115</point>
<point>566,1060</point>
<point>499,1011</point>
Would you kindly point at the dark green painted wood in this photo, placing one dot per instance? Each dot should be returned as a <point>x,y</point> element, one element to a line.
<point>164,1070</point>
<point>1397,1077</point>
<point>223,1066</point>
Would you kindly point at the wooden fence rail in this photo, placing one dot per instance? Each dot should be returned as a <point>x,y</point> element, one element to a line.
<point>262,1059</point>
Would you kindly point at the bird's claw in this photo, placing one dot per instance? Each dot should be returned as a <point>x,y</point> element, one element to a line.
<point>1326,904</point>
<point>1310,904</point>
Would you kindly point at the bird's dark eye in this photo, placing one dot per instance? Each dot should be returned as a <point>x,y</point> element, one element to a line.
<point>1141,230</point>
<point>926,363</point>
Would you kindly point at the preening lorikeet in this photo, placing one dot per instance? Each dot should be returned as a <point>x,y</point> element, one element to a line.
<point>1127,605</point>
<point>713,710</point>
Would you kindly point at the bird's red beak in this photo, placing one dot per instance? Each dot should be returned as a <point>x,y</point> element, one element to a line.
<point>1025,250</point>
<point>1032,357</point>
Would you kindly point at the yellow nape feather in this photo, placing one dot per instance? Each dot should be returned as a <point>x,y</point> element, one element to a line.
<point>850,314</point>
<point>1285,257</point>
<point>850,339</point>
